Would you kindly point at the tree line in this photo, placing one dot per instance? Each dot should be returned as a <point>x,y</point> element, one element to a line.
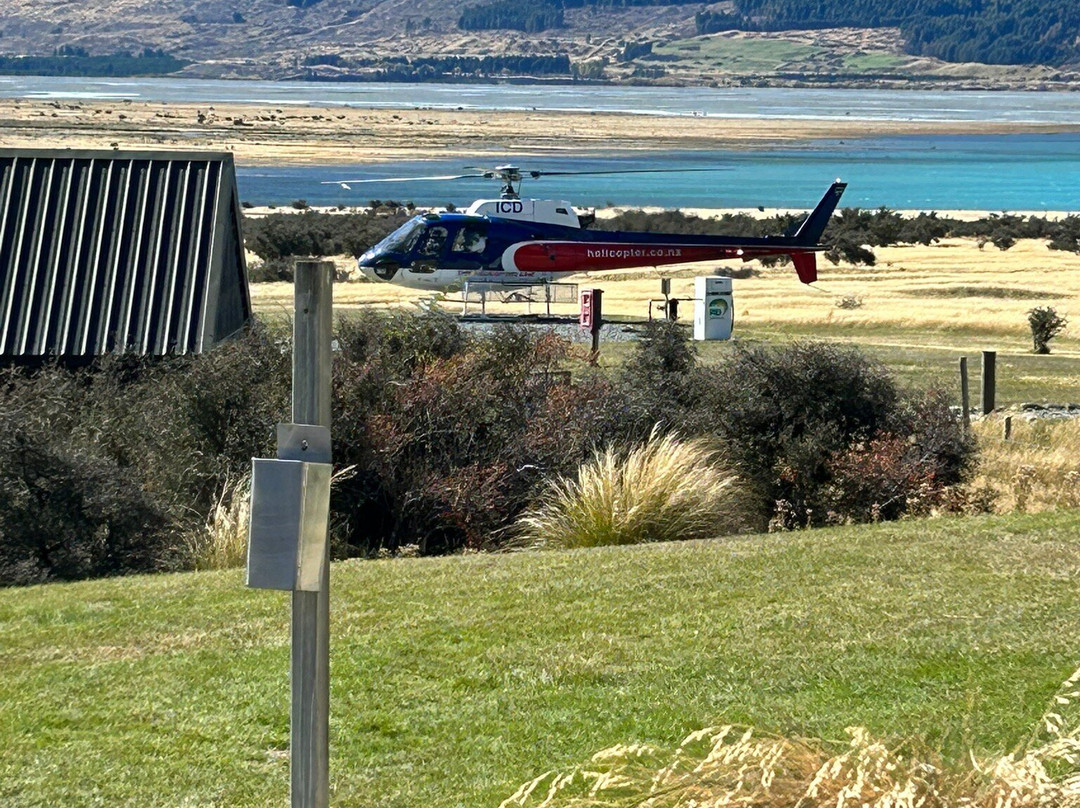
<point>540,16</point>
<point>428,68</point>
<point>69,61</point>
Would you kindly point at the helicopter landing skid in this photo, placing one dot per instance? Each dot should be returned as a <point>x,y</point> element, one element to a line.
<point>513,293</point>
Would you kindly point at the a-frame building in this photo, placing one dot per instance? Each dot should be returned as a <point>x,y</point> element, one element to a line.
<point>119,252</point>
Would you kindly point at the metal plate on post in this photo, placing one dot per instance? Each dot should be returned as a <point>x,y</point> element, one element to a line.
<point>290,502</point>
<point>304,442</point>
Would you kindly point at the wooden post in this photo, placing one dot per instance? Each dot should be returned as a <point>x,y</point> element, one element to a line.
<point>989,372</point>
<point>1008,427</point>
<point>965,400</point>
<point>310,665</point>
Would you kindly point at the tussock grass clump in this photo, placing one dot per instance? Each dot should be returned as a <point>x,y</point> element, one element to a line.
<point>221,543</point>
<point>1037,469</point>
<point>666,489</point>
<point>729,766</point>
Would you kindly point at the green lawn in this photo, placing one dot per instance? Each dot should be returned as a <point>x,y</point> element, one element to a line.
<point>455,679</point>
<point>738,55</point>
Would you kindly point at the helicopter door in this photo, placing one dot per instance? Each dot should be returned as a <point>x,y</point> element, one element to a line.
<point>468,246</point>
<point>430,250</point>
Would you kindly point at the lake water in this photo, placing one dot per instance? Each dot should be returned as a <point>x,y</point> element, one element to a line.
<point>992,172</point>
<point>744,102</point>
<point>997,173</point>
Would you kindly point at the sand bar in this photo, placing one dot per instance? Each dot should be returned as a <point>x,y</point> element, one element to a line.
<point>281,135</point>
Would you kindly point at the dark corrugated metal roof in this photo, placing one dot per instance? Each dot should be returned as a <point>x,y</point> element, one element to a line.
<point>119,252</point>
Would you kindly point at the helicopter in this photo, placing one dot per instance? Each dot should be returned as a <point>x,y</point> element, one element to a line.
<point>510,241</point>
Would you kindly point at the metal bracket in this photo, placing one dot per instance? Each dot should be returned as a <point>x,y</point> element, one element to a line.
<point>304,442</point>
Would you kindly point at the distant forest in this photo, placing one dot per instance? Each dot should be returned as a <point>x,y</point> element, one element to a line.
<point>442,68</point>
<point>541,15</point>
<point>988,31</point>
<point>70,61</point>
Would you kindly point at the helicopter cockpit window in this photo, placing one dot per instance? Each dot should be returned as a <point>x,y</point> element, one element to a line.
<point>433,243</point>
<point>469,239</point>
<point>403,239</point>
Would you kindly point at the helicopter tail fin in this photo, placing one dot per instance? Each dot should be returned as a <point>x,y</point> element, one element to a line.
<point>808,233</point>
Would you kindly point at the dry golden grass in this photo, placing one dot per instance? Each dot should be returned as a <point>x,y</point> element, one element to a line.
<point>222,542</point>
<point>926,296</point>
<point>1037,469</point>
<point>663,490</point>
<point>721,767</point>
<point>899,293</point>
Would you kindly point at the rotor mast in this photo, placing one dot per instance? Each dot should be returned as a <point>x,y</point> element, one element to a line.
<point>509,175</point>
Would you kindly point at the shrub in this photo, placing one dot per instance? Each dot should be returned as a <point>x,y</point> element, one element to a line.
<point>67,513</point>
<point>783,412</point>
<point>442,430</point>
<point>106,467</point>
<point>272,270</point>
<point>666,489</point>
<point>281,235</point>
<point>822,433</point>
<point>1045,324</point>
<point>659,380</point>
<point>880,480</point>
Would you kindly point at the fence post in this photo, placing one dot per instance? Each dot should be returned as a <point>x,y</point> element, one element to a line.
<point>310,662</point>
<point>1008,427</point>
<point>965,401</point>
<point>989,373</point>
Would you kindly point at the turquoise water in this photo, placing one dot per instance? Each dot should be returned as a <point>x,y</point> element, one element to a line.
<point>962,172</point>
<point>992,172</point>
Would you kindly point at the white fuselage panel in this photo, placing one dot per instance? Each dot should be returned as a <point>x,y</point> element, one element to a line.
<point>547,211</point>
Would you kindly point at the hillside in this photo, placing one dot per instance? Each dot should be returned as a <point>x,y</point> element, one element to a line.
<point>456,679</point>
<point>678,43</point>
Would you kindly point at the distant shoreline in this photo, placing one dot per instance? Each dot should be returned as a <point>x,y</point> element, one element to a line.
<point>885,81</point>
<point>283,134</point>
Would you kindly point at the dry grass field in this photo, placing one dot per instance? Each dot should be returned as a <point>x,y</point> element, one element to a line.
<point>953,295</point>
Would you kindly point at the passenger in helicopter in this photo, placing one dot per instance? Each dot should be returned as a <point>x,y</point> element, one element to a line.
<point>469,239</point>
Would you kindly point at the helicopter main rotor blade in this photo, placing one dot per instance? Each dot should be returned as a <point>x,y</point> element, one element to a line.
<point>536,174</point>
<point>405,179</point>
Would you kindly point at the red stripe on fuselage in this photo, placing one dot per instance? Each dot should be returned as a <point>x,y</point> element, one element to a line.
<point>568,256</point>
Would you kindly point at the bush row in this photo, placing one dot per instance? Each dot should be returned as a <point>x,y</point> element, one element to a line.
<point>851,235</point>
<point>444,438</point>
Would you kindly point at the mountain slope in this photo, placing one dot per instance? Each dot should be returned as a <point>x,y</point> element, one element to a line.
<point>421,40</point>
